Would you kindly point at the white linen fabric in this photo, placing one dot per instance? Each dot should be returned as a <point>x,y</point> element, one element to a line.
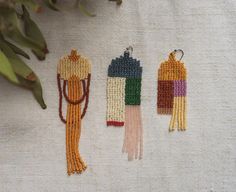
<point>202,159</point>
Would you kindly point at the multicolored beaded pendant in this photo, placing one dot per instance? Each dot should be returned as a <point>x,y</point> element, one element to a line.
<point>171,97</point>
<point>75,71</point>
<point>123,101</point>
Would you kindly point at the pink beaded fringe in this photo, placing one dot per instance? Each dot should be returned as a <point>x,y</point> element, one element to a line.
<point>133,142</point>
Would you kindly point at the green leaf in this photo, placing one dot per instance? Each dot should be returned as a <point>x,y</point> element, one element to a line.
<point>6,69</point>
<point>27,78</point>
<point>13,32</point>
<point>17,50</point>
<point>36,89</point>
<point>18,65</point>
<point>31,4</point>
<point>33,32</point>
<point>51,4</point>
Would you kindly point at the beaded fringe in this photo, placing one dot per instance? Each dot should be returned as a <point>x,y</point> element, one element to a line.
<point>73,128</point>
<point>133,140</point>
<point>171,97</point>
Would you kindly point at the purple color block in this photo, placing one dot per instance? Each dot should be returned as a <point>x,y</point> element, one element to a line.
<point>180,88</point>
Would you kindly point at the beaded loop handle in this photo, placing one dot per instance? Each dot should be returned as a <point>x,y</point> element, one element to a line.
<point>85,95</point>
<point>76,101</point>
<point>60,99</point>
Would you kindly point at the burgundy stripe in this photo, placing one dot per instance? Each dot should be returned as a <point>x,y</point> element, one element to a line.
<point>165,94</point>
<point>115,123</point>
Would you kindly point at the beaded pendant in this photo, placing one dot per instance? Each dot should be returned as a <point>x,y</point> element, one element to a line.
<point>75,72</point>
<point>171,97</point>
<point>123,101</point>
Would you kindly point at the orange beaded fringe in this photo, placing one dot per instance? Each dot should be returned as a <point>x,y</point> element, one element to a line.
<point>73,128</point>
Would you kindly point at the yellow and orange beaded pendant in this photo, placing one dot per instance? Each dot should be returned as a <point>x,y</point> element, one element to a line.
<point>172,89</point>
<point>75,72</point>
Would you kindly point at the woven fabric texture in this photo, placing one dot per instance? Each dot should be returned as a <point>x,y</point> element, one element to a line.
<point>201,159</point>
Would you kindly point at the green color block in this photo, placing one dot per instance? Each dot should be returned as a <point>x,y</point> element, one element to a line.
<point>132,91</point>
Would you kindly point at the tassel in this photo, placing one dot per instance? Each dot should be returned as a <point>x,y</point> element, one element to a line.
<point>123,102</point>
<point>133,140</point>
<point>73,70</point>
<point>171,97</point>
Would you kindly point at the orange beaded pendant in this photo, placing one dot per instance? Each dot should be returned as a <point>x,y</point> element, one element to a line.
<point>75,72</point>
